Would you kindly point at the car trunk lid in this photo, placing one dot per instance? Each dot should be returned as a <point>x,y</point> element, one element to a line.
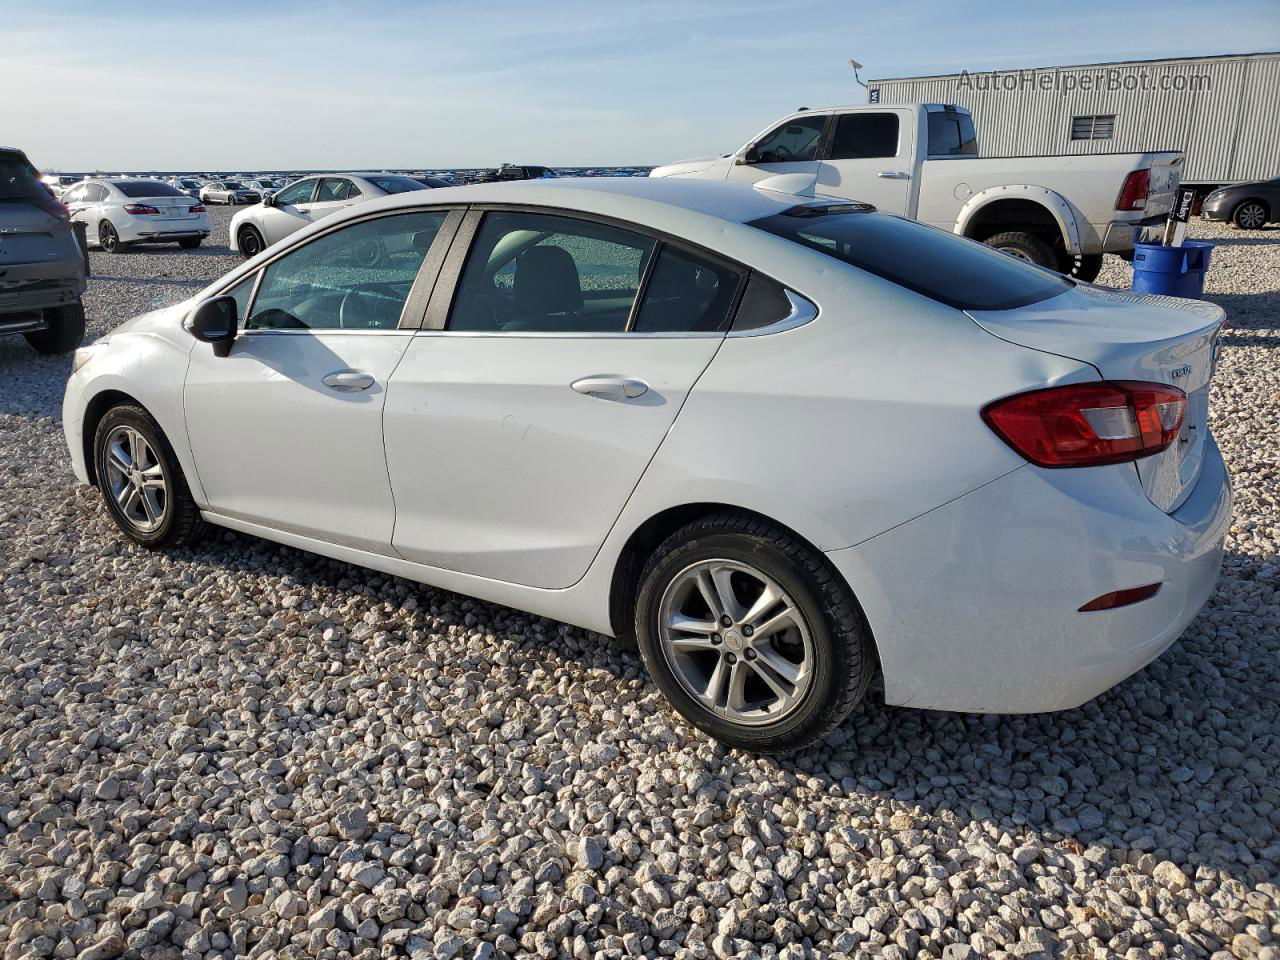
<point>28,234</point>
<point>1127,336</point>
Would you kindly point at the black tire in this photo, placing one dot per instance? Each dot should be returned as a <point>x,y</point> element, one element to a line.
<point>63,331</point>
<point>1250,215</point>
<point>190,243</point>
<point>250,242</point>
<point>180,521</point>
<point>108,239</point>
<point>1085,266</point>
<point>844,659</point>
<point>1025,246</point>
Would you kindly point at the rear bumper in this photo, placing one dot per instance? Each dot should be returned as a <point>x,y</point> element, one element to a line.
<point>36,286</point>
<point>1121,235</point>
<point>974,606</point>
<point>138,230</point>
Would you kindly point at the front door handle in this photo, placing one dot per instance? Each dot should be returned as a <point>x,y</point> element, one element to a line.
<point>894,175</point>
<point>348,380</point>
<point>611,388</point>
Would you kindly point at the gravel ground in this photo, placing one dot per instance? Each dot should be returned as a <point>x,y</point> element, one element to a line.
<point>241,749</point>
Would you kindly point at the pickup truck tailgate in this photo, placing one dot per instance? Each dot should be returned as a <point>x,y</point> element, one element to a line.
<point>1166,174</point>
<point>1127,336</point>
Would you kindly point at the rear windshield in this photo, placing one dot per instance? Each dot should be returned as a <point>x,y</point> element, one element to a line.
<point>952,270</point>
<point>396,184</point>
<point>17,179</point>
<point>232,185</point>
<point>146,188</point>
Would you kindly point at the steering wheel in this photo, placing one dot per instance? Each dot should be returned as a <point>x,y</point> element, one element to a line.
<point>385,294</point>
<point>783,153</point>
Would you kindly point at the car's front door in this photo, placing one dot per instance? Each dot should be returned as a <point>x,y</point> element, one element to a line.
<point>290,212</point>
<point>286,430</point>
<point>517,432</point>
<point>871,158</point>
<point>791,147</point>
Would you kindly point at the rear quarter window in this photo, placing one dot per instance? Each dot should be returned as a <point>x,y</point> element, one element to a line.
<point>961,273</point>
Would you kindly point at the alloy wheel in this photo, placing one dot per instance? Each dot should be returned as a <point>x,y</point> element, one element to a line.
<point>736,641</point>
<point>136,479</point>
<point>1251,216</point>
<point>108,239</point>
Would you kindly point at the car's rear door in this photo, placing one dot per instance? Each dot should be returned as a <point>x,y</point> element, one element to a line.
<point>871,158</point>
<point>522,417</point>
<point>286,430</point>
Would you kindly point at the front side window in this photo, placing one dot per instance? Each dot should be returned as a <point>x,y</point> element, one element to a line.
<point>686,293</point>
<point>796,139</point>
<point>960,273</point>
<point>549,274</point>
<point>332,188</point>
<point>863,135</point>
<point>355,278</point>
<point>300,192</point>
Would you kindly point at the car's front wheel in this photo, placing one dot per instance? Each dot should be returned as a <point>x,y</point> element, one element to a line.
<point>1250,215</point>
<point>141,481</point>
<point>751,635</point>
<point>250,242</point>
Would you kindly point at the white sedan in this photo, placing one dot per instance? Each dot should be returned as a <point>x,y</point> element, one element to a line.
<point>782,442</point>
<point>308,200</point>
<point>122,211</point>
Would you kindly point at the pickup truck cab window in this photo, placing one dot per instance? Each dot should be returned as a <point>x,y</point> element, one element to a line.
<point>863,135</point>
<point>797,139</point>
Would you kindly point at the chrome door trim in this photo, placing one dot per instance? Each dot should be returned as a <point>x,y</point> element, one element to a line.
<point>802,311</point>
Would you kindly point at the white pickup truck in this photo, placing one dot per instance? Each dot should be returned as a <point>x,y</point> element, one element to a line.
<point>921,161</point>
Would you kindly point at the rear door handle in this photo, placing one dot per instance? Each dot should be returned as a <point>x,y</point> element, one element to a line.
<point>611,388</point>
<point>348,380</point>
<point>894,175</point>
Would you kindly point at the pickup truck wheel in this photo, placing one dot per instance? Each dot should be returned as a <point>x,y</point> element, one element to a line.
<point>63,331</point>
<point>1085,267</point>
<point>1025,246</point>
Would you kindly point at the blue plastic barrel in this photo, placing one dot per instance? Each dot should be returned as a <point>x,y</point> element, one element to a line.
<point>1173,271</point>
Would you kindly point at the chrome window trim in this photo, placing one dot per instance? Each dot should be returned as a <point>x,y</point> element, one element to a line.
<point>577,335</point>
<point>802,311</point>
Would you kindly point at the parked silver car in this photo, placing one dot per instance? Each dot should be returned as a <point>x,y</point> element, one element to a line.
<point>229,192</point>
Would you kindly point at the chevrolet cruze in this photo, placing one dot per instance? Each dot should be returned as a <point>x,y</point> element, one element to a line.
<point>783,442</point>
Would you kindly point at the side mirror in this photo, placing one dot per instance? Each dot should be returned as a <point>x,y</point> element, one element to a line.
<point>748,156</point>
<point>214,321</point>
<point>268,199</point>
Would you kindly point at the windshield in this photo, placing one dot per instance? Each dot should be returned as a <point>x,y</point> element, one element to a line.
<point>232,185</point>
<point>396,184</point>
<point>960,273</point>
<point>146,188</point>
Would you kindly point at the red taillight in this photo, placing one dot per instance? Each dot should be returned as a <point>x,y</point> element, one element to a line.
<point>1133,195</point>
<point>198,208</point>
<point>1121,598</point>
<point>140,209</point>
<point>1089,424</point>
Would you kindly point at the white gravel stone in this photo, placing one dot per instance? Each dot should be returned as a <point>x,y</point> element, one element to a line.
<point>243,750</point>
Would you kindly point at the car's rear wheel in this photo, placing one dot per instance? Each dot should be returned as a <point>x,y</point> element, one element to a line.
<point>1250,215</point>
<point>250,242</point>
<point>141,481</point>
<point>751,635</point>
<point>1025,246</point>
<point>190,243</point>
<point>108,239</point>
<point>63,330</point>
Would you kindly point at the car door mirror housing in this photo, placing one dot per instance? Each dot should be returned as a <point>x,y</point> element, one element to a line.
<point>214,322</point>
<point>748,156</point>
<point>268,199</point>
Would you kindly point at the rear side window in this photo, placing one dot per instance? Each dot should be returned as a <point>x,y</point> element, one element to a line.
<point>961,273</point>
<point>397,184</point>
<point>863,135</point>
<point>147,188</point>
<point>951,134</point>
<point>686,293</point>
<point>331,189</point>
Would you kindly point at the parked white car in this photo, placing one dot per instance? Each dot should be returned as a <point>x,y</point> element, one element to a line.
<point>263,187</point>
<point>921,161</point>
<point>188,185</point>
<point>784,443</point>
<point>118,213</point>
<point>228,192</point>
<point>308,200</point>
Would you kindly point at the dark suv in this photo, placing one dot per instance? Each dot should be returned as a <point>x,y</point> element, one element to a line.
<point>42,267</point>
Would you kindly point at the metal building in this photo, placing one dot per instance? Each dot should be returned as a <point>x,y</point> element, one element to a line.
<point>1221,111</point>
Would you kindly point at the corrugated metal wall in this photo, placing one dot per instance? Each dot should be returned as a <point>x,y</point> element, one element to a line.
<point>1223,118</point>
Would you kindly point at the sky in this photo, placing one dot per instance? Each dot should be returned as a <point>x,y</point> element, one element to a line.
<point>110,85</point>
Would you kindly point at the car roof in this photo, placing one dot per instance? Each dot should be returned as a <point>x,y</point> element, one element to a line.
<point>643,199</point>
